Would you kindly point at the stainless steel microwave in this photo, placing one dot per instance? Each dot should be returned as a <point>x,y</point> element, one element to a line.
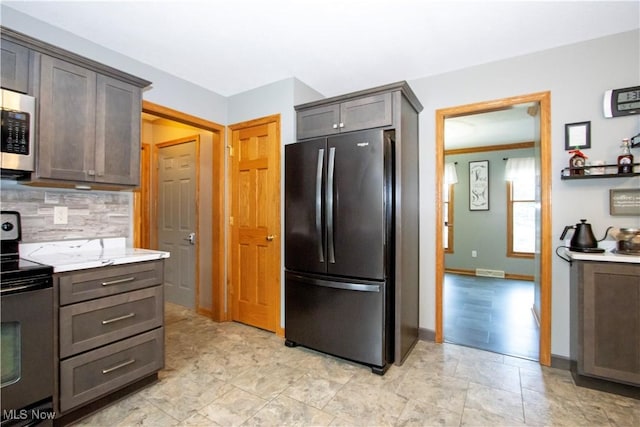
<point>18,132</point>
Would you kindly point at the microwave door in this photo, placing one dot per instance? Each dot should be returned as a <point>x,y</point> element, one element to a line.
<point>18,129</point>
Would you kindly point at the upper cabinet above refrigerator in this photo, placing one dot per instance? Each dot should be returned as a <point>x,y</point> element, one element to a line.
<point>362,113</point>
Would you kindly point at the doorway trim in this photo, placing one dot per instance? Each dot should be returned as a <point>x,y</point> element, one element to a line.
<point>217,311</point>
<point>544,99</point>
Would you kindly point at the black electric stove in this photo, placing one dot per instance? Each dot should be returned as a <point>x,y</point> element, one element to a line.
<point>18,274</point>
<point>26,316</point>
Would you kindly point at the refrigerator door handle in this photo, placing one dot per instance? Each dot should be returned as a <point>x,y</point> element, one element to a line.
<point>361,287</point>
<point>330,245</point>
<point>319,204</point>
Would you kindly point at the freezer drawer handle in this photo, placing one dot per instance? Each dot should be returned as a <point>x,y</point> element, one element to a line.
<point>119,366</point>
<point>338,285</point>
<point>319,204</point>
<point>117,282</point>
<point>330,245</point>
<point>117,319</point>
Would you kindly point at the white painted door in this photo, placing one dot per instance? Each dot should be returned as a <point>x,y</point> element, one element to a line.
<point>177,220</point>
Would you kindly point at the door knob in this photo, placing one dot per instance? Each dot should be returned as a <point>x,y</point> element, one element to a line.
<point>270,237</point>
<point>191,238</point>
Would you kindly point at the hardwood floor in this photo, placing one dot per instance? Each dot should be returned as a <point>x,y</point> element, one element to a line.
<point>491,314</point>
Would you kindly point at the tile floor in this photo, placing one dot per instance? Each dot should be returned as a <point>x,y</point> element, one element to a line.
<point>229,374</point>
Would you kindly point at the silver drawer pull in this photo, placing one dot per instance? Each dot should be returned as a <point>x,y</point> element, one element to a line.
<point>117,282</point>
<point>121,365</point>
<point>116,319</point>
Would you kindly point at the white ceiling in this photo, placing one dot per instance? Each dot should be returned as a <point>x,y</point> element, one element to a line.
<point>334,46</point>
<point>508,126</point>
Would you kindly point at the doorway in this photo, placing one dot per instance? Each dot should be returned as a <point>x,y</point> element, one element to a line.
<point>544,254</point>
<point>210,289</point>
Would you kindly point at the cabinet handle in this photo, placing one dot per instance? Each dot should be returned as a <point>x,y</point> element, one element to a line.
<point>341,124</point>
<point>117,319</point>
<point>117,282</point>
<point>335,126</point>
<point>121,365</point>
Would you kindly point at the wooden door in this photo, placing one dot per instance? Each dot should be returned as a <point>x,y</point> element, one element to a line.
<point>177,218</point>
<point>255,223</point>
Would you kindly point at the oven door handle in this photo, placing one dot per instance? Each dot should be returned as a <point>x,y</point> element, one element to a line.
<point>15,288</point>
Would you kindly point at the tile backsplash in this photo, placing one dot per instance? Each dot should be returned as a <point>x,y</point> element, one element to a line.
<point>89,214</point>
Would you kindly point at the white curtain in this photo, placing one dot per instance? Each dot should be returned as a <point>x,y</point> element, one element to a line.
<point>522,168</point>
<point>450,174</point>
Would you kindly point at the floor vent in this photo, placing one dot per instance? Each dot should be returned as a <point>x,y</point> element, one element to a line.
<point>489,273</point>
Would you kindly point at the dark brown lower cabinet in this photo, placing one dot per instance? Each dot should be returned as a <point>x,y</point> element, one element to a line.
<point>605,321</point>
<point>110,330</point>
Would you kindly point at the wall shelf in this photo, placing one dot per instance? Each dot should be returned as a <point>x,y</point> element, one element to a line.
<point>564,175</point>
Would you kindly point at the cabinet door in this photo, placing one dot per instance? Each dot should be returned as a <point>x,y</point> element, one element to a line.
<point>15,67</point>
<point>118,111</point>
<point>318,121</point>
<point>66,147</point>
<point>366,113</point>
<point>611,322</point>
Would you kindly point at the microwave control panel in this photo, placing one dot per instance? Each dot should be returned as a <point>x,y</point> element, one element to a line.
<point>15,132</point>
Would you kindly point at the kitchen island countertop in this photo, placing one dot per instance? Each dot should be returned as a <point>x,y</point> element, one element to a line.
<point>70,255</point>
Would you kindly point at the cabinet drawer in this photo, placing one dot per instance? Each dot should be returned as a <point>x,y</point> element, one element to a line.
<point>90,324</point>
<point>96,373</point>
<point>99,282</point>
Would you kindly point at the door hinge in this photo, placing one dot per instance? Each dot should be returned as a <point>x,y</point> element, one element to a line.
<point>230,150</point>
<point>230,220</point>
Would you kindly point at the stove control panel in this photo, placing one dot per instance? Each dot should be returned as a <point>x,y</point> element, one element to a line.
<point>10,226</point>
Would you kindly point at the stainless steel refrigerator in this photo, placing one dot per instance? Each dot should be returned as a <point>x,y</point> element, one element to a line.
<point>339,246</point>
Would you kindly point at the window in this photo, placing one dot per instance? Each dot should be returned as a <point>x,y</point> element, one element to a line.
<point>447,217</point>
<point>521,208</point>
<point>450,178</point>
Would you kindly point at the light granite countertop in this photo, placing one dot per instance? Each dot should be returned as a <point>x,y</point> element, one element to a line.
<point>70,255</point>
<point>608,255</point>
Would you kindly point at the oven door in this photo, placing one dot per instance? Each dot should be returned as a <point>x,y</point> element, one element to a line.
<point>26,326</point>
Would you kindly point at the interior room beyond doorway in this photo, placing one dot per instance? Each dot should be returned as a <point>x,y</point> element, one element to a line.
<point>492,314</point>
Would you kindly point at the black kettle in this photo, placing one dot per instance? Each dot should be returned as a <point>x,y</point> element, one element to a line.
<point>583,239</point>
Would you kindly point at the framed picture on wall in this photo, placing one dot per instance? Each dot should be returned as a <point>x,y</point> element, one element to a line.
<point>479,185</point>
<point>577,136</point>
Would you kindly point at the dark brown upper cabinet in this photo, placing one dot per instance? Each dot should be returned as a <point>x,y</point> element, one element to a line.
<point>15,66</point>
<point>362,113</point>
<point>88,117</point>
